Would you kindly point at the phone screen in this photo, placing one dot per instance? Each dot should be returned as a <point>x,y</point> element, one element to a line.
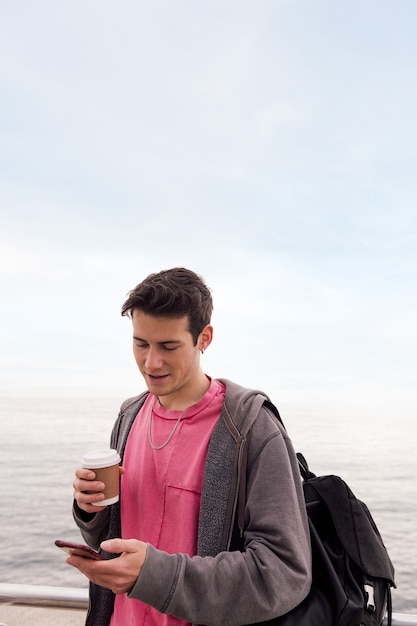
<point>78,549</point>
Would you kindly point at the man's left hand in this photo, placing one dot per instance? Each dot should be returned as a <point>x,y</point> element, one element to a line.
<point>119,574</point>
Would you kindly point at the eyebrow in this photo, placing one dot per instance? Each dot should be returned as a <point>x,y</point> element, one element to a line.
<point>170,341</point>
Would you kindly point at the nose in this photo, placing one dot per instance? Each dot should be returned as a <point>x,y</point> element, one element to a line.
<point>153,361</point>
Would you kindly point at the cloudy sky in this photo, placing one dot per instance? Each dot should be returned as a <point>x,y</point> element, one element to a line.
<point>269,145</point>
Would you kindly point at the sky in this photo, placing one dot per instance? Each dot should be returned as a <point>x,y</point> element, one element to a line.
<point>270,146</point>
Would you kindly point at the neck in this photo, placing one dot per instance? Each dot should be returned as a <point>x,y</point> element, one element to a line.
<point>181,401</point>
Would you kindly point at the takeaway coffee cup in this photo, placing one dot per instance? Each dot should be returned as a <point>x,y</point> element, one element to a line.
<point>105,464</point>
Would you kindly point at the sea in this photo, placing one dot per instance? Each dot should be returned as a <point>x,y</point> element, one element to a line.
<point>42,441</point>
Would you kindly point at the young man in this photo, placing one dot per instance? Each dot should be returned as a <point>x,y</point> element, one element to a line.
<point>174,552</point>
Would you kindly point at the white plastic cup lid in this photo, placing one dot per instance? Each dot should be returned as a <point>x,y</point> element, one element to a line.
<point>100,458</point>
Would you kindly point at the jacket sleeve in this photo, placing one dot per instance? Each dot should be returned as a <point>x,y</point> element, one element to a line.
<point>273,572</point>
<point>93,527</point>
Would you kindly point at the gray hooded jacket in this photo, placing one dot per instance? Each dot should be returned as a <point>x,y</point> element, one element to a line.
<point>270,573</point>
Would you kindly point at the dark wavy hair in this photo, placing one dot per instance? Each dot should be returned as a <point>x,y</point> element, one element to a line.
<point>177,292</point>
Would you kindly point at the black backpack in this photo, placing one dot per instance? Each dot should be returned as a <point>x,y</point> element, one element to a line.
<point>352,572</point>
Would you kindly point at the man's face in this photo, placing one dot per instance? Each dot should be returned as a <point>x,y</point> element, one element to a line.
<point>167,358</point>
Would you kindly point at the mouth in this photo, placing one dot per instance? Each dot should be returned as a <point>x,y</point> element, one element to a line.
<point>157,377</point>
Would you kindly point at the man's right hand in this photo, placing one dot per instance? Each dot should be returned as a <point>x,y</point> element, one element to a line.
<point>88,490</point>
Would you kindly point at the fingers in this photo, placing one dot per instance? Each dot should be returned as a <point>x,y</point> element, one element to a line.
<point>88,490</point>
<point>99,572</point>
<point>119,546</point>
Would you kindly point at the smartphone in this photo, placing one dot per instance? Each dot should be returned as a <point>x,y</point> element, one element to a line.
<point>79,550</point>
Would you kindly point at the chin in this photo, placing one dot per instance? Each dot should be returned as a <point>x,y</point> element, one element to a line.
<point>159,388</point>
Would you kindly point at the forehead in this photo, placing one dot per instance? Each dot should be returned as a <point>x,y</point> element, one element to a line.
<point>159,327</point>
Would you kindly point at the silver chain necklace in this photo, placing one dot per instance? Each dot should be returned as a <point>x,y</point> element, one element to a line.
<point>151,443</point>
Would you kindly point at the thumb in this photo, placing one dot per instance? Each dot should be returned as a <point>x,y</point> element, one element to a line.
<point>117,546</point>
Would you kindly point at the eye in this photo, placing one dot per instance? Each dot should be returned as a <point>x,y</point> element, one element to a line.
<point>141,345</point>
<point>170,349</point>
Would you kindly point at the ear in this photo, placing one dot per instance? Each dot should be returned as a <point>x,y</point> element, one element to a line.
<point>205,337</point>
